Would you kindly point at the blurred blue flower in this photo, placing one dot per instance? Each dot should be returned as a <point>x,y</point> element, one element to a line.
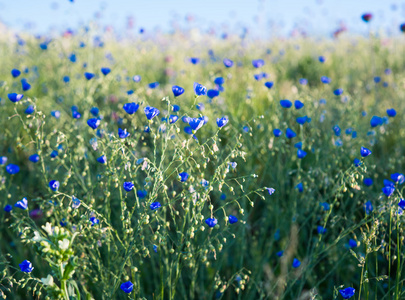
<point>127,287</point>
<point>199,89</point>
<point>300,187</point>
<point>301,153</point>
<point>12,169</point>
<point>221,122</point>
<point>89,75</point>
<point>94,221</point>
<point>368,207</point>
<point>368,181</point>
<point>8,208</point>
<point>347,292</point>
<point>296,263</point>
<point>325,80</point>
<point>398,178</point>
<point>102,159</point>
<point>15,73</point>
<point>22,204</point>
<point>14,97</point>
<point>228,63</point>
<point>298,104</point>
<point>128,186</point>
<point>195,123</point>
<point>34,158</point>
<point>232,219</point>
<point>376,121</point>
<point>26,266</point>
<point>131,107</point>
<point>194,60</point>
<point>151,112</point>
<point>177,90</point>
<point>364,152</point>
<point>269,84</point>
<point>321,230</point>
<point>290,133</point>
<point>211,222</point>
<point>338,92</point>
<point>257,63</point>
<point>183,176</point>
<point>54,185</point>
<point>155,205</point>
<point>93,123</point>
<point>105,71</point>
<point>285,103</point>
<point>153,85</point>
<point>277,132</point>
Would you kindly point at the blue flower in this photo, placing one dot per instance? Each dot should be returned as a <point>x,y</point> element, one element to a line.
<point>352,244</point>
<point>221,122</point>
<point>301,153</point>
<point>211,222</point>
<point>195,123</point>
<point>89,75</point>
<point>228,63</point>
<point>302,120</point>
<point>26,266</point>
<point>175,108</point>
<point>199,89</point>
<point>127,287</point>
<point>25,85</point>
<point>29,110</point>
<point>23,203</point>
<point>54,153</point>
<point>183,176</point>
<point>401,204</point>
<point>15,73</point>
<point>34,158</point>
<point>357,162</point>
<point>155,205</point>
<point>300,187</point>
<point>212,94</point>
<point>93,123</point>
<point>102,159</point>
<point>325,206</point>
<point>303,81</point>
<point>377,79</point>
<point>354,134</point>
<point>391,112</point>
<point>105,71</point>
<point>269,84</point>
<point>257,63</point>
<point>368,181</point>
<point>94,111</point>
<point>376,121</point>
<point>368,207</point>
<point>137,78</point>
<point>131,108</point>
<point>388,190</point>
<point>271,191</point>
<point>285,103</point>
<point>75,202</point>
<point>277,132</point>
<point>219,81</point>
<point>298,104</point>
<point>94,221</point>
<point>321,59</point>
<point>232,219</point>
<point>347,292</point>
<point>12,169</point>
<point>72,57</point>
<point>194,60</point>
<point>364,152</point>
<point>325,80</point>
<point>321,230</point>
<point>66,79</point>
<point>128,186</point>
<point>155,248</point>
<point>3,160</point>
<point>141,194</point>
<point>153,85</point>
<point>14,97</point>
<point>280,253</point>
<point>336,130</point>
<point>54,185</point>
<point>8,208</point>
<point>122,133</point>
<point>290,133</point>
<point>173,119</point>
<point>322,101</point>
<point>338,92</point>
<point>151,112</point>
<point>398,178</point>
<point>177,90</point>
<point>296,263</point>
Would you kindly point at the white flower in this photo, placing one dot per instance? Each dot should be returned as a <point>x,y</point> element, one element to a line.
<point>48,228</point>
<point>64,245</point>
<point>48,280</point>
<point>37,237</point>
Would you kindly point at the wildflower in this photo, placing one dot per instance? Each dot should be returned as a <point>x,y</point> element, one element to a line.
<point>26,266</point>
<point>34,158</point>
<point>25,85</point>
<point>357,162</point>
<point>320,229</point>
<point>123,133</point>
<point>368,181</point>
<point>155,205</point>
<point>93,123</point>
<point>55,114</point>
<point>151,112</point>
<point>54,185</point>
<point>153,85</point>
<point>280,253</point>
<point>227,62</point>
<point>290,133</point>
<point>277,132</point>
<point>368,207</point>
<point>29,110</point>
<point>195,123</point>
<point>211,222</point>
<point>401,204</point>
<point>257,63</point>
<point>388,190</point>
<point>298,104</point>
<point>336,130</point>
<point>94,111</point>
<point>127,287</point>
<point>303,81</point>
<point>301,153</point>
<point>3,160</point>
<point>14,97</point>
<point>391,112</point>
<point>12,169</point>
<point>173,119</point>
<point>48,281</point>
<point>128,186</point>
<point>183,176</point>
<point>105,71</point>
<point>89,75</point>
<point>325,206</point>
<point>200,106</point>
<point>271,191</point>
<point>102,159</point>
<point>325,80</point>
<point>300,187</point>
<point>75,202</point>
<point>296,263</point>
<point>131,108</point>
<point>219,81</point>
<point>352,244</point>
<point>177,90</point>
<point>155,248</point>
<point>136,78</point>
<point>66,79</point>
<point>212,94</point>
<point>366,18</point>
<point>199,89</point>
<point>175,108</point>
<point>269,84</point>
<point>347,292</point>
<point>302,120</point>
<point>376,121</point>
<point>194,60</point>
<point>398,178</point>
<point>141,194</point>
<point>285,103</point>
<point>23,204</point>
<point>321,59</point>
<point>15,73</point>
<point>221,122</point>
<point>94,221</point>
<point>232,164</point>
<point>364,152</point>
<point>8,208</point>
<point>338,92</point>
<point>232,219</point>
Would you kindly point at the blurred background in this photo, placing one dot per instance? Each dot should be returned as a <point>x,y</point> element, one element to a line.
<point>257,18</point>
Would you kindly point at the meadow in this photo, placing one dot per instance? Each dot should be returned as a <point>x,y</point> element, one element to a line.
<point>174,167</point>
